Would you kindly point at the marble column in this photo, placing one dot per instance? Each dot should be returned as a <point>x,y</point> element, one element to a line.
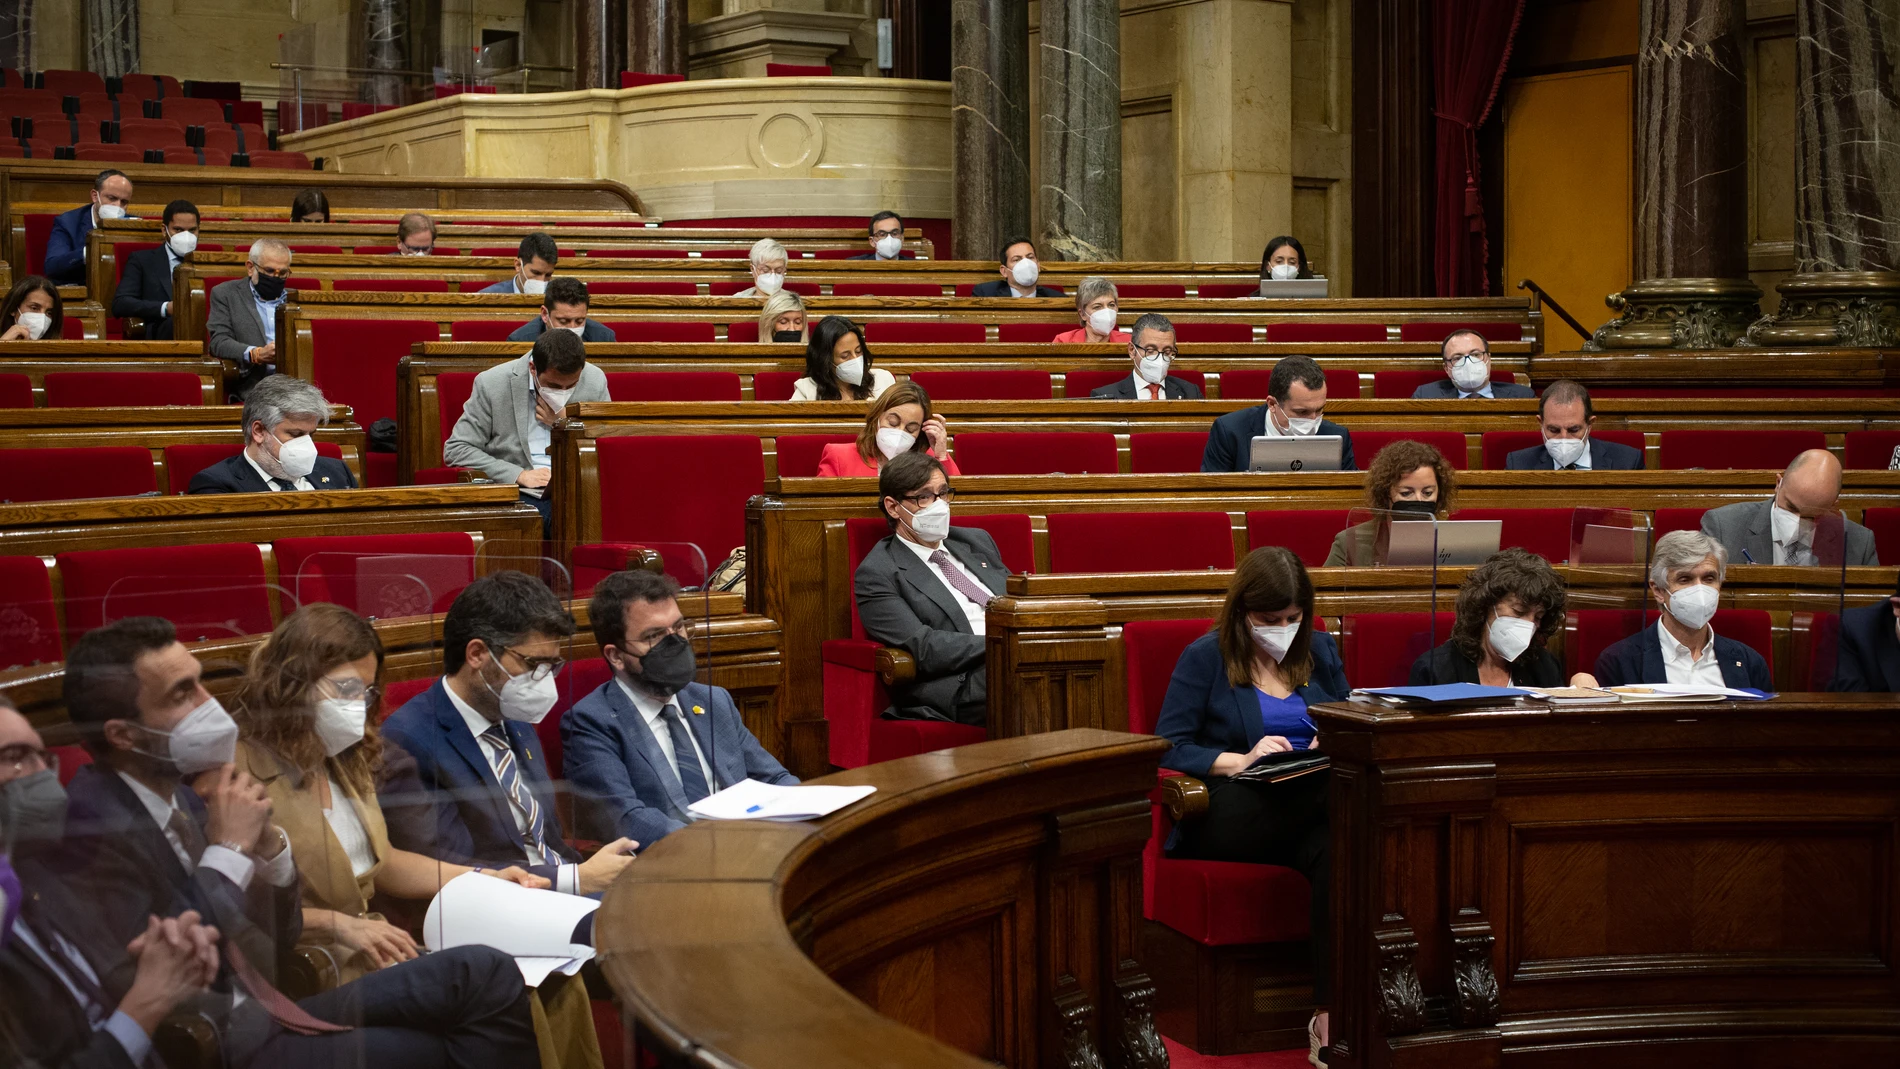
<point>599,43</point>
<point>1692,182</point>
<point>112,37</point>
<point>1081,192</point>
<point>386,29</point>
<point>989,124</point>
<point>656,36</point>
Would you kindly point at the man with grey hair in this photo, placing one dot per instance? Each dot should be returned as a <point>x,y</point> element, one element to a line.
<point>280,416</point>
<point>1152,351</point>
<point>1096,304</point>
<point>241,328</point>
<point>1685,577</point>
<point>768,262</point>
<point>1801,525</point>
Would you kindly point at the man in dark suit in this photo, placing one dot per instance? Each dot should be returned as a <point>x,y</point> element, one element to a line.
<point>923,589</point>
<point>1020,271</point>
<point>1800,526</point>
<point>280,416</point>
<point>1467,359</point>
<point>534,266</point>
<point>145,288</point>
<point>478,792</point>
<point>1566,416</point>
<point>1296,405</point>
<point>66,247</point>
<point>241,325</point>
<point>1151,350</point>
<point>563,307</point>
<point>887,239</point>
<point>1869,656</point>
<point>651,741</point>
<point>1685,575</point>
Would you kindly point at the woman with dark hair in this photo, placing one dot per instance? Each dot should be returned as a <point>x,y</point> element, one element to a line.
<point>1284,259</point>
<point>1407,478</point>
<point>1508,608</point>
<point>311,206</point>
<point>32,311</point>
<point>900,422</point>
<point>838,365</point>
<point>1240,693</point>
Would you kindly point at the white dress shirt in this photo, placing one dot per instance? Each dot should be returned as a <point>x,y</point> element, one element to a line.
<point>278,871</point>
<point>1142,386</point>
<point>347,825</point>
<point>650,712</point>
<point>1681,667</point>
<point>566,875</point>
<point>1785,528</point>
<point>971,610</point>
<point>270,483</point>
<point>1014,292</point>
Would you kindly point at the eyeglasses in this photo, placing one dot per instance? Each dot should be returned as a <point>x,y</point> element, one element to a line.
<point>24,758</point>
<point>270,272</point>
<point>880,234</point>
<point>682,627</point>
<point>1149,352</point>
<point>539,668</point>
<point>927,498</point>
<point>1461,359</point>
<point>351,690</point>
<point>411,250</point>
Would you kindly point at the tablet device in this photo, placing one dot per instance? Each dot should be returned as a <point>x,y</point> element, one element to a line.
<point>1456,542</point>
<point>1309,452</point>
<point>1293,287</point>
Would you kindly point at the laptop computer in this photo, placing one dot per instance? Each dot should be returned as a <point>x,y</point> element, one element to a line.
<point>1293,287</point>
<point>1453,541</point>
<point>1311,452</point>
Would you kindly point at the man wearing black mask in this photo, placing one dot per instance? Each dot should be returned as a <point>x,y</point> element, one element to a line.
<point>241,327</point>
<point>651,741</point>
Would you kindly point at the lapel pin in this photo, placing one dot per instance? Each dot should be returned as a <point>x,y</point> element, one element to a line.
<point>698,711</point>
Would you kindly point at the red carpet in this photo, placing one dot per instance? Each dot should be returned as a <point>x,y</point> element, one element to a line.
<point>1180,1057</point>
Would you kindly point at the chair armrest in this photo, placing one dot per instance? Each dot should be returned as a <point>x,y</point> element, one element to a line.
<point>188,1041</point>
<point>310,970</point>
<point>1184,797</point>
<point>894,666</point>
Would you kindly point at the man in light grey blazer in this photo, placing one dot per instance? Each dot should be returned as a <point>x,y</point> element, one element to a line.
<point>505,429</point>
<point>1783,529</point>
<point>1467,359</point>
<point>924,588</point>
<point>241,326</point>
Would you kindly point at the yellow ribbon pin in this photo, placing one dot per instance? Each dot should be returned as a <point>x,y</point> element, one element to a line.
<point>699,711</point>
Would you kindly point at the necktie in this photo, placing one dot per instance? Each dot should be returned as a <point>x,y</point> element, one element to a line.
<point>283,484</point>
<point>189,836</point>
<point>65,963</point>
<point>1572,466</point>
<point>518,793</point>
<point>1154,392</point>
<point>1468,396</point>
<point>685,758</point>
<point>959,582</point>
<point>292,1017</point>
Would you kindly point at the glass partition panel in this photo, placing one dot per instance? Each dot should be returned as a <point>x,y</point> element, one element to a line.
<point>1394,610</point>
<point>1606,585</point>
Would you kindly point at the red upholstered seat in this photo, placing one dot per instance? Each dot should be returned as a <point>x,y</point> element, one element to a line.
<point>1366,444</point>
<point>746,332</point>
<point>1139,541</point>
<point>1251,384</point>
<point>197,157</point>
<point>775,386</point>
<point>1498,445</point>
<point>1309,533</point>
<point>1325,332</point>
<point>151,87</point>
<point>1885,524</point>
<point>1015,384</point>
<point>71,83</point>
<point>482,329</point>
<point>452,391</point>
<point>673,385</point>
<point>1664,521</point>
<point>398,693</point>
<point>1379,647</point>
<point>638,330</point>
<point>1151,289</point>
<point>390,285</point>
<point>1750,448</point>
<point>206,591</point>
<point>1015,540</point>
<point>925,332</point>
<point>797,70</point>
<point>1166,452</point>
<point>184,461</point>
<point>705,481</point>
<point>1872,450</point>
<point>383,576</point>
<point>39,228</point>
<point>58,474</point>
<point>152,133</point>
<point>354,361</point>
<point>118,389</point>
<point>1031,333</point>
<point>648,289</point>
<point>886,289</point>
<point>1213,332</point>
<point>16,391</point>
<point>97,153</point>
<point>1080,383</point>
<point>799,454</point>
<point>285,161</point>
<point>1034,453</point>
<point>643,254</point>
<point>328,250</point>
<point>29,628</point>
<point>637,79</point>
<point>1228,289</point>
<point>1545,532</point>
<point>1438,332</point>
<point>191,111</point>
<point>1399,385</point>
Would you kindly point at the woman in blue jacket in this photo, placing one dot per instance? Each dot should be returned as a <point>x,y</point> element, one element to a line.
<point>1239,693</point>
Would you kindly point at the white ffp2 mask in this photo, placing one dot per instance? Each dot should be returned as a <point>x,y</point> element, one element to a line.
<point>183,243</point>
<point>1283,272</point>
<point>298,457</point>
<point>894,441</point>
<point>889,248</point>
<point>851,371</point>
<point>770,282</point>
<point>1025,273</point>
<point>205,739</point>
<point>1510,637</point>
<point>1470,375</point>
<point>36,324</point>
<point>1153,370</point>
<point>1102,321</point>
<point>1275,639</point>
<point>340,724</point>
<point>1565,451</point>
<point>1694,606</point>
<point>932,522</point>
<point>534,286</point>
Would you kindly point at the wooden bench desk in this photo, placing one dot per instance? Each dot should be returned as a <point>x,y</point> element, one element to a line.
<point>37,359</point>
<point>156,428</point>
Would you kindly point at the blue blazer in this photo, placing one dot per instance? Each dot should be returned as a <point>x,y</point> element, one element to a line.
<point>1205,716</point>
<point>1604,456</point>
<point>1230,442</point>
<point>591,331</point>
<point>506,285</point>
<point>1638,659</point>
<point>66,248</point>
<point>622,782</point>
<point>1870,653</point>
<point>448,805</point>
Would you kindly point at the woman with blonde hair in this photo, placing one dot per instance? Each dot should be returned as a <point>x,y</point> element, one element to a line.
<point>900,422</point>
<point>783,319</point>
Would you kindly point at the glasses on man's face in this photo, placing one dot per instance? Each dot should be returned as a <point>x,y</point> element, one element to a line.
<point>1461,359</point>
<point>882,234</point>
<point>272,272</point>
<point>352,690</point>
<point>1149,352</point>
<point>923,499</point>
<point>681,627</point>
<point>24,759</point>
<point>538,668</point>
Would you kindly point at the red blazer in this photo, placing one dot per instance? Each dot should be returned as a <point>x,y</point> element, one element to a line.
<point>841,460</point>
<point>1080,335</point>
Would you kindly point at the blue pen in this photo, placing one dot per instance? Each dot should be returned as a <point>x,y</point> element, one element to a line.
<point>1746,557</point>
<point>754,808</point>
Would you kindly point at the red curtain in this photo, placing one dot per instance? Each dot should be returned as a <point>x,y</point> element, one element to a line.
<point>1471,43</point>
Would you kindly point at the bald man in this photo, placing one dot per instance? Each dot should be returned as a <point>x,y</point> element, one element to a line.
<point>1782,530</point>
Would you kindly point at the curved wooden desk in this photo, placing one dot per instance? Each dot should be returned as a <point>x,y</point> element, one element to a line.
<point>981,907</point>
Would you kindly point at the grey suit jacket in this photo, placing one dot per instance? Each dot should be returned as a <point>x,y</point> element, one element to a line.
<point>903,604</point>
<point>1747,531</point>
<point>232,329</point>
<point>492,435</point>
<point>1443,390</point>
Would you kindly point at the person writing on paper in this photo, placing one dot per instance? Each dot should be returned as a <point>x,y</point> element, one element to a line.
<point>1566,417</point>
<point>900,422</point>
<point>1685,576</point>
<point>476,790</point>
<point>1407,479</point>
<point>783,319</point>
<point>1869,657</point>
<point>1784,528</point>
<point>1508,607</point>
<point>838,365</point>
<point>652,740</point>
<point>1239,693</point>
<point>1096,305</point>
<point>1296,405</point>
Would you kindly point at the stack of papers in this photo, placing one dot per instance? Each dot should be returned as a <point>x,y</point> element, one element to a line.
<point>536,927</point>
<point>750,799</point>
<point>1445,695</point>
<point>1685,692</point>
<point>1577,696</point>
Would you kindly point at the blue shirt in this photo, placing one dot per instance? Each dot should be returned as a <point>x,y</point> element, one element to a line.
<point>1287,716</point>
<point>267,311</point>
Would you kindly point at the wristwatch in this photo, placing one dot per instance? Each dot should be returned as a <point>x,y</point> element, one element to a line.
<point>283,841</point>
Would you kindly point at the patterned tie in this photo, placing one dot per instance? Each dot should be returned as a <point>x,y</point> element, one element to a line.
<point>685,758</point>
<point>959,582</point>
<point>189,835</point>
<point>518,792</point>
<point>283,484</point>
<point>292,1017</point>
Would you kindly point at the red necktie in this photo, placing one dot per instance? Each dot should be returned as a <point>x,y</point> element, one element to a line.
<point>285,1012</point>
<point>1154,392</point>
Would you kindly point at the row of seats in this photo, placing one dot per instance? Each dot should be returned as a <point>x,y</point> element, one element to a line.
<point>104,389</point>
<point>70,473</point>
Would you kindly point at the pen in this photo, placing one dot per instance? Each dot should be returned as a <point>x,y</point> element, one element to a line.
<point>1746,556</point>
<point>754,808</point>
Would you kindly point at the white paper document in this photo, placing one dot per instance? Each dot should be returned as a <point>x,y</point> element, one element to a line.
<point>1667,692</point>
<point>750,799</point>
<point>536,927</point>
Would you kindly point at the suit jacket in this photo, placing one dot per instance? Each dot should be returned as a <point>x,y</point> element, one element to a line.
<point>234,475</point>
<point>492,435</point>
<point>1443,390</point>
<point>623,782</point>
<point>1746,530</point>
<point>446,802</point>
<point>903,604</point>
<point>996,287</point>
<point>1123,389</point>
<point>1638,659</point>
<point>143,290</point>
<point>232,329</point>
<point>66,247</point>
<point>1230,442</point>
<point>841,460</point>
<point>1445,663</point>
<point>1869,651</point>
<point>44,1021</point>
<point>1205,716</point>
<point>1604,456</point>
<point>592,330</point>
<point>506,285</point>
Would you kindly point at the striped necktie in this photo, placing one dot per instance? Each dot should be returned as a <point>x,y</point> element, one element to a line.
<point>685,757</point>
<point>509,774</point>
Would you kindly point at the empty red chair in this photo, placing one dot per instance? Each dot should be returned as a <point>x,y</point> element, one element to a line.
<point>1139,541</point>
<point>184,461</point>
<point>1379,647</point>
<point>293,161</point>
<point>1438,332</point>
<point>452,391</point>
<point>116,389</point>
<point>1060,452</point>
<point>798,454</point>
<point>886,289</point>
<point>29,627</point>
<point>1545,532</point>
<point>1031,333</point>
<point>190,111</point>
<point>1663,521</point>
<point>661,331</point>
<point>705,481</point>
<point>1499,445</point>
<point>673,385</point>
<point>1166,452</point>
<point>16,391</point>
<point>383,576</point>
<point>1228,289</point>
<point>1873,450</point>
<point>1015,384</point>
<point>390,285</point>
<point>483,329</point>
<point>97,153</point>
<point>152,133</point>
<point>58,474</point>
<point>151,87</point>
<point>1399,385</point>
<point>1213,332</point>
<point>206,591</point>
<point>776,386</point>
<point>797,70</point>
<point>1309,533</point>
<point>1325,332</point>
<point>353,361</point>
<point>1366,444</point>
<point>222,139</point>
<point>649,289</point>
<point>1151,289</point>
<point>199,157</point>
<point>71,83</point>
<point>745,332</point>
<point>1753,448</point>
<point>1885,524</point>
<point>638,79</point>
<point>252,138</point>
<point>925,333</point>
